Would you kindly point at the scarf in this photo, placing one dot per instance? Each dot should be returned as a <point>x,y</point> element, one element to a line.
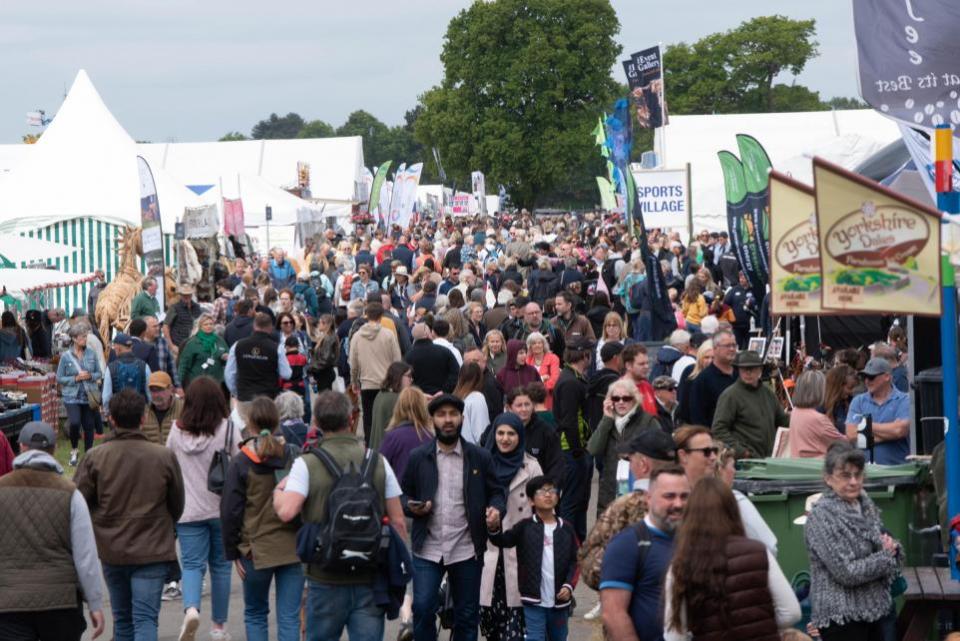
<point>506,464</point>
<point>208,341</point>
<point>621,422</point>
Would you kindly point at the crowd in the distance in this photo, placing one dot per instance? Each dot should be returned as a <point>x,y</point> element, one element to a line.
<point>492,369</point>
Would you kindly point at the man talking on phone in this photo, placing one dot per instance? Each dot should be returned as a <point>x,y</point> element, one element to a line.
<point>450,490</point>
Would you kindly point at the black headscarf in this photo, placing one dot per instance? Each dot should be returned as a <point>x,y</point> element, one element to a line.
<point>505,466</point>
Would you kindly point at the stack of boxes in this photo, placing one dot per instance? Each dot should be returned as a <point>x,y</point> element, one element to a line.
<point>40,389</point>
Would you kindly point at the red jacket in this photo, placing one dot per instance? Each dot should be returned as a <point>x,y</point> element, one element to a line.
<point>6,455</point>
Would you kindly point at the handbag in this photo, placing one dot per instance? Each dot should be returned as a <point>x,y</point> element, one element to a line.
<point>217,473</point>
<point>338,385</point>
<point>94,396</point>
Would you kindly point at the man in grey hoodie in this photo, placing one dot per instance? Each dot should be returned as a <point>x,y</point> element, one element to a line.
<point>53,557</point>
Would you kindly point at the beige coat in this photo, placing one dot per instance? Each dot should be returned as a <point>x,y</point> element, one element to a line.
<point>372,349</point>
<point>518,508</point>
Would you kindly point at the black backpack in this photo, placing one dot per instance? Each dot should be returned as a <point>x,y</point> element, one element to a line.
<point>352,531</point>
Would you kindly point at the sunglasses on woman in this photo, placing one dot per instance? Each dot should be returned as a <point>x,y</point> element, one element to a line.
<point>621,399</point>
<point>706,451</point>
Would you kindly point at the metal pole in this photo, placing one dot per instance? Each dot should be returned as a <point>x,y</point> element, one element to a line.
<point>947,200</point>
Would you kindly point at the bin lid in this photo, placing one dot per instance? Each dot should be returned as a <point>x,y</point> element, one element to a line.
<point>804,475</point>
<point>932,375</point>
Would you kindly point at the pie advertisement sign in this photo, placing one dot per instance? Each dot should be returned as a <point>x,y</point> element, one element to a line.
<point>795,280</point>
<point>879,250</point>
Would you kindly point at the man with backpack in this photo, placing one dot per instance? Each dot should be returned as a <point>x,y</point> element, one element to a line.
<point>333,487</point>
<point>126,371</point>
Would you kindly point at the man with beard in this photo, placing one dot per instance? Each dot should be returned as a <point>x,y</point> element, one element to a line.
<point>451,491</point>
<point>632,575</point>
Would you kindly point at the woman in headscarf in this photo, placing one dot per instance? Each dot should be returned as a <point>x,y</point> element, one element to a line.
<point>516,373</point>
<point>501,611</point>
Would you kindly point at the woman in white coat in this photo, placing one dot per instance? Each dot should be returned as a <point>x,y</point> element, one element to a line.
<point>501,611</point>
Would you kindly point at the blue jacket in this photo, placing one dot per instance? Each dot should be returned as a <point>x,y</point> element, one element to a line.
<point>282,275</point>
<point>480,490</point>
<point>67,375</point>
<point>396,571</point>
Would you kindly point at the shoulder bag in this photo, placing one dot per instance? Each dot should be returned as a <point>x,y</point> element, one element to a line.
<point>217,474</point>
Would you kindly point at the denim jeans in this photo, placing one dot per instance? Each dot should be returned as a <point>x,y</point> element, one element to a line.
<point>201,544</point>
<point>464,580</point>
<point>135,592</point>
<point>641,326</point>
<point>256,600</point>
<point>576,492</point>
<point>545,624</point>
<point>330,608</point>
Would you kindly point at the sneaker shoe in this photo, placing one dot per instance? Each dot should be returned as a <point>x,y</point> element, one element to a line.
<point>406,631</point>
<point>594,613</point>
<point>219,635</point>
<point>74,456</point>
<point>171,592</point>
<point>191,621</point>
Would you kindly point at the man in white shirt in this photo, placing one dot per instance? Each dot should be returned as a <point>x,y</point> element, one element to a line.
<point>441,329</point>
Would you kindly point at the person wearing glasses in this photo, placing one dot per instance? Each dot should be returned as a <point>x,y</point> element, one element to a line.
<point>748,412</point>
<point>710,383</point>
<point>889,409</point>
<point>852,560</point>
<point>623,418</point>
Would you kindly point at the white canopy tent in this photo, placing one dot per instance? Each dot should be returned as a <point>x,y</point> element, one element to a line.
<point>791,140</point>
<point>30,280</point>
<point>84,165</point>
<point>23,249</point>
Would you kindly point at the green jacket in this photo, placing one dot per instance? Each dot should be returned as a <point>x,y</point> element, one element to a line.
<point>144,305</point>
<point>193,357</point>
<point>383,406</point>
<point>603,445</point>
<point>747,419</point>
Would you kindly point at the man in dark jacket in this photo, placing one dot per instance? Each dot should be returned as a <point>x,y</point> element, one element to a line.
<point>569,406</point>
<point>449,532</point>
<point>492,392</point>
<point>741,300</point>
<point>600,380</point>
<point>242,324</point>
<point>134,490</point>
<point>533,321</point>
<point>434,367</point>
<point>665,389</point>
<point>403,253</point>
<point>541,441</point>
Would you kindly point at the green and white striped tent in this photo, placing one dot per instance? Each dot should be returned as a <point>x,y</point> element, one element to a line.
<point>97,242</point>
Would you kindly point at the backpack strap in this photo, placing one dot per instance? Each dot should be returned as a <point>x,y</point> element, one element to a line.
<point>367,467</point>
<point>328,461</point>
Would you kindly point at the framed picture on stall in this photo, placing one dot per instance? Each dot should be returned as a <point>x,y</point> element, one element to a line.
<point>757,345</point>
<point>776,348</point>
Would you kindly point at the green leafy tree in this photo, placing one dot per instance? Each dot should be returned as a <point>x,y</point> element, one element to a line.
<point>276,127</point>
<point>734,72</point>
<point>841,102</point>
<point>375,135</point>
<point>317,129</point>
<point>233,136</point>
<point>524,82</point>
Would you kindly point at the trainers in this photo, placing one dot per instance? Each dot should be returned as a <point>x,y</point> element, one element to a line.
<point>73,458</point>
<point>191,621</point>
<point>594,613</point>
<point>406,631</point>
<point>219,635</point>
<point>171,592</point>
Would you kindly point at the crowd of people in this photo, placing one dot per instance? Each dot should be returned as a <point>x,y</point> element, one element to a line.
<point>407,423</point>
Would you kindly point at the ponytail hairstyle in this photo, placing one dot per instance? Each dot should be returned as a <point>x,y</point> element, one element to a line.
<point>263,418</point>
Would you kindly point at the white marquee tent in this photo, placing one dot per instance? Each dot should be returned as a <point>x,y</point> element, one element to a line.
<point>791,139</point>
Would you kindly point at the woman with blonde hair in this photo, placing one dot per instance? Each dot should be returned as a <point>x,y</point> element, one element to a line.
<point>693,305</point>
<point>704,359</point>
<point>409,428</point>
<point>545,362</point>
<point>614,330</point>
<point>495,347</point>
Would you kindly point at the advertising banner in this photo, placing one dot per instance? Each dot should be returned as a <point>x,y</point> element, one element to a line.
<point>879,251</point>
<point>408,197</point>
<point>740,224</point>
<point>647,88</point>
<point>461,204</point>
<point>375,188</point>
<point>909,59</point>
<point>795,281</point>
<point>152,234</point>
<point>233,223</point>
<point>608,198</point>
<point>662,197</point>
<point>662,318</point>
<point>201,222</point>
<point>479,189</point>
<point>756,170</point>
<point>396,195</point>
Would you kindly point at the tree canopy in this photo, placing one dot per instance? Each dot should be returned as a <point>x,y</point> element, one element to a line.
<point>278,127</point>
<point>524,82</point>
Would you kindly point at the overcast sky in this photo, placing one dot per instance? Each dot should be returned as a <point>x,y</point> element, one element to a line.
<point>194,70</point>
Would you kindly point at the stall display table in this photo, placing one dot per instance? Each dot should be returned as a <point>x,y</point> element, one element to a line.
<point>929,590</point>
<point>12,420</point>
